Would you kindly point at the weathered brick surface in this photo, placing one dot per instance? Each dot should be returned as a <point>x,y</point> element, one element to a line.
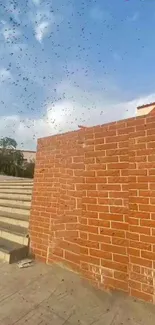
<point>93,205</point>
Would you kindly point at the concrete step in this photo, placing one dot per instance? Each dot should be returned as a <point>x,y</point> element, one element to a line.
<point>14,190</point>
<point>15,219</point>
<point>12,181</point>
<point>14,233</point>
<point>15,203</point>
<point>14,196</point>
<point>13,215</point>
<point>3,183</point>
<point>21,186</point>
<point>12,252</point>
<point>14,210</point>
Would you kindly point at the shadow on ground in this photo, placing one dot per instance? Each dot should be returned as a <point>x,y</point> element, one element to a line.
<point>49,295</point>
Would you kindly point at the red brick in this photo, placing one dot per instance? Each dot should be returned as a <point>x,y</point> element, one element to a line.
<point>110,216</point>
<point>89,200</point>
<point>58,251</point>
<point>133,206</point>
<point>135,285</point>
<point>133,251</point>
<point>147,239</point>
<point>90,259</point>
<point>139,186</point>
<point>146,207</point>
<point>140,215</point>
<point>120,258</point>
<point>141,295</point>
<point>147,223</point>
<point>88,243</point>
<point>93,205</point>
<point>133,221</point>
<point>119,225</point>
<point>90,229</point>
<point>114,249</point>
<point>98,208</point>
<point>122,194</point>
<point>148,289</point>
<point>66,234</point>
<point>114,266</point>
<point>120,241</point>
<point>96,180</point>
<point>97,194</point>
<point>115,209</point>
<point>101,254</point>
<point>132,236</point>
<point>112,232</point>
<point>138,277</point>
<point>99,223</point>
<point>90,214</point>
<point>117,165</point>
<point>117,179</point>
<point>78,159</point>
<point>109,187</point>
<point>83,235</point>
<point>139,230</point>
<point>141,200</point>
<point>120,276</point>
<point>100,238</point>
<point>115,284</point>
<point>140,245</point>
<point>140,261</point>
<point>148,255</point>
<point>136,269</point>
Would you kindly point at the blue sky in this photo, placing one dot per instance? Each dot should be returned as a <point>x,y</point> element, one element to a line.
<point>69,62</point>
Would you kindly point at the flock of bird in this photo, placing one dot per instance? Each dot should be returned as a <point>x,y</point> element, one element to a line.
<point>31,68</point>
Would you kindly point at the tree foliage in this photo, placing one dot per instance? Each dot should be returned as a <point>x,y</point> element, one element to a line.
<point>28,170</point>
<point>8,143</point>
<point>12,160</point>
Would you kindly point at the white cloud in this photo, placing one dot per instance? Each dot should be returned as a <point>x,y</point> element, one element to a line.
<point>10,33</point>
<point>41,30</point>
<point>17,47</point>
<point>42,21</point>
<point>26,131</point>
<point>42,18</point>
<point>98,14</point>
<point>5,75</point>
<point>3,22</point>
<point>66,115</point>
<point>36,2</point>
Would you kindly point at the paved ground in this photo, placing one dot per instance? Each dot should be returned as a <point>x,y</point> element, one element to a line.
<point>49,295</point>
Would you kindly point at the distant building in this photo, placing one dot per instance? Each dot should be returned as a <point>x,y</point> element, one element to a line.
<point>145,109</point>
<point>29,155</point>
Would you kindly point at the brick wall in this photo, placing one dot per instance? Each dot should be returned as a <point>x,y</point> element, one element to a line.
<point>93,206</point>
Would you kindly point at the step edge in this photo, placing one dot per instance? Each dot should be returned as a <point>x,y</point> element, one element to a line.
<point>14,206</point>
<point>7,196</point>
<point>15,217</point>
<point>11,243</point>
<point>14,231</point>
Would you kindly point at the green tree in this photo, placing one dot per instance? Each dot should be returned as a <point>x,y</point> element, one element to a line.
<point>11,159</point>
<point>8,143</point>
<point>28,170</point>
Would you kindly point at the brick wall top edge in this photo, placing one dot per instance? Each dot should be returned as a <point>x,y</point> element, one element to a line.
<point>109,126</point>
<point>152,113</point>
<point>56,136</point>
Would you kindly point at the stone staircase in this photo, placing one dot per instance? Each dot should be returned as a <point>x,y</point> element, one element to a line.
<point>15,204</point>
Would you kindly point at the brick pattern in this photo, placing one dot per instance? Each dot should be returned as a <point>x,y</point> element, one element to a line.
<point>93,206</point>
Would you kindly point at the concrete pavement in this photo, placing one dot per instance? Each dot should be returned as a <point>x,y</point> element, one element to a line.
<point>45,295</point>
